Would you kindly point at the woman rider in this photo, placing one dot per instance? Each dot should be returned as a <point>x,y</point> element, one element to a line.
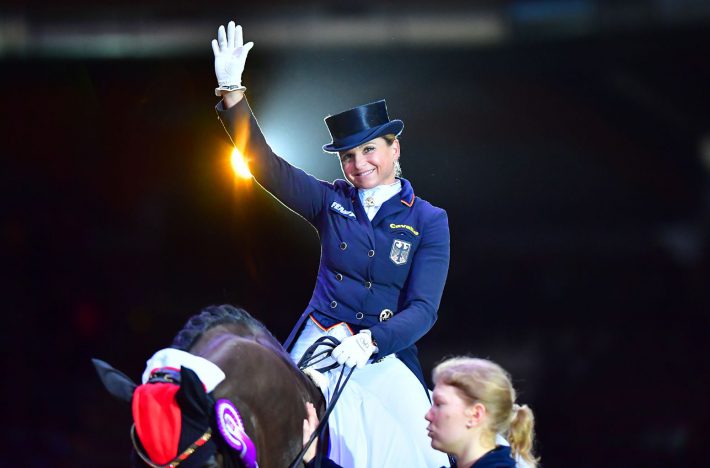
<point>384,261</point>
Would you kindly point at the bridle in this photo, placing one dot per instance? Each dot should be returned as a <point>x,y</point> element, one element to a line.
<point>229,434</point>
<point>175,461</point>
<point>310,358</point>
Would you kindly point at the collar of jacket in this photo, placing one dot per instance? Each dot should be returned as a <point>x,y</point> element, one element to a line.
<point>406,195</point>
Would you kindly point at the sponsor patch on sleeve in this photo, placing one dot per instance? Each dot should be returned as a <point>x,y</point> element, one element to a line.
<point>338,208</point>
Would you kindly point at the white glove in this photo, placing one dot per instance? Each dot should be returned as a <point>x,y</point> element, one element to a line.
<point>355,350</point>
<point>230,54</point>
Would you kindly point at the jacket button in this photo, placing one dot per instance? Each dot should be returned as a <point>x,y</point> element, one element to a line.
<point>339,277</point>
<point>368,284</point>
<point>333,305</point>
<point>343,246</point>
<point>359,315</point>
<point>371,253</point>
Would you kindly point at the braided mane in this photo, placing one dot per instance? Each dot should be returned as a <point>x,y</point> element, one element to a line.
<point>214,315</point>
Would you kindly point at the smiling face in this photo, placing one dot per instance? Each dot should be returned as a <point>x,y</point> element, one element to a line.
<point>448,418</point>
<point>370,164</point>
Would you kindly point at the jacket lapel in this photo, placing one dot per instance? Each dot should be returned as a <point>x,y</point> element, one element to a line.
<point>361,215</point>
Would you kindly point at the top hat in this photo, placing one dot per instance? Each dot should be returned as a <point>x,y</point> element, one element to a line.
<point>359,125</point>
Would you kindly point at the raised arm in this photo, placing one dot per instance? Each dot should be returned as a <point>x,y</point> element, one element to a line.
<point>297,190</point>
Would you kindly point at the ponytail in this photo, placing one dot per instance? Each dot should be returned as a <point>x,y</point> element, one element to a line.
<point>522,433</point>
<point>481,380</point>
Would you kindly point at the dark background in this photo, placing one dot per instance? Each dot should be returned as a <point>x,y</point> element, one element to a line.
<point>568,141</point>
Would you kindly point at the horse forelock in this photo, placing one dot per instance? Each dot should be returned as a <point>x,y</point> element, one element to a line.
<point>242,323</point>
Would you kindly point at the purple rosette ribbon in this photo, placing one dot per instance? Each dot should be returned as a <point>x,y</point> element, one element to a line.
<point>231,427</point>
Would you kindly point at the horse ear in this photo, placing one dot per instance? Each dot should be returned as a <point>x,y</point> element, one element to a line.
<point>191,396</point>
<point>116,382</point>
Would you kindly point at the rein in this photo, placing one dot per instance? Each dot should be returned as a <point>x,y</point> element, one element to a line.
<point>311,358</point>
<point>175,461</point>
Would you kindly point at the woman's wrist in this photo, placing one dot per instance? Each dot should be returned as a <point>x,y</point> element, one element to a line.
<point>231,98</point>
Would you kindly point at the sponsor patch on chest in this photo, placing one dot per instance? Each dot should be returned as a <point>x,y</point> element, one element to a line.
<point>338,208</point>
<point>404,226</point>
<point>400,251</point>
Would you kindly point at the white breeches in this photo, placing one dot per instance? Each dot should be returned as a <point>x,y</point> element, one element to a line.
<point>379,419</point>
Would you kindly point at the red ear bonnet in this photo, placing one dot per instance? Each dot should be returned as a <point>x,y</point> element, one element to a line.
<point>157,417</point>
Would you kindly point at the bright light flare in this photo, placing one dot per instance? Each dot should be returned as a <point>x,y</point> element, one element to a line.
<point>239,165</point>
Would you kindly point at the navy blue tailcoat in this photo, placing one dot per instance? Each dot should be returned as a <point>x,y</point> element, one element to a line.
<point>397,262</point>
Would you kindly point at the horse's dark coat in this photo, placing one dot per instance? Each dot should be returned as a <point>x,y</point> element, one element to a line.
<point>261,380</point>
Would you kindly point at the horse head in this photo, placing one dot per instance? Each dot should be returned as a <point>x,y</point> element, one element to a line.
<point>226,394</point>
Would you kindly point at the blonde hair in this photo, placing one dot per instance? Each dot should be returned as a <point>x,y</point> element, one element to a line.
<point>389,138</point>
<point>483,381</point>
